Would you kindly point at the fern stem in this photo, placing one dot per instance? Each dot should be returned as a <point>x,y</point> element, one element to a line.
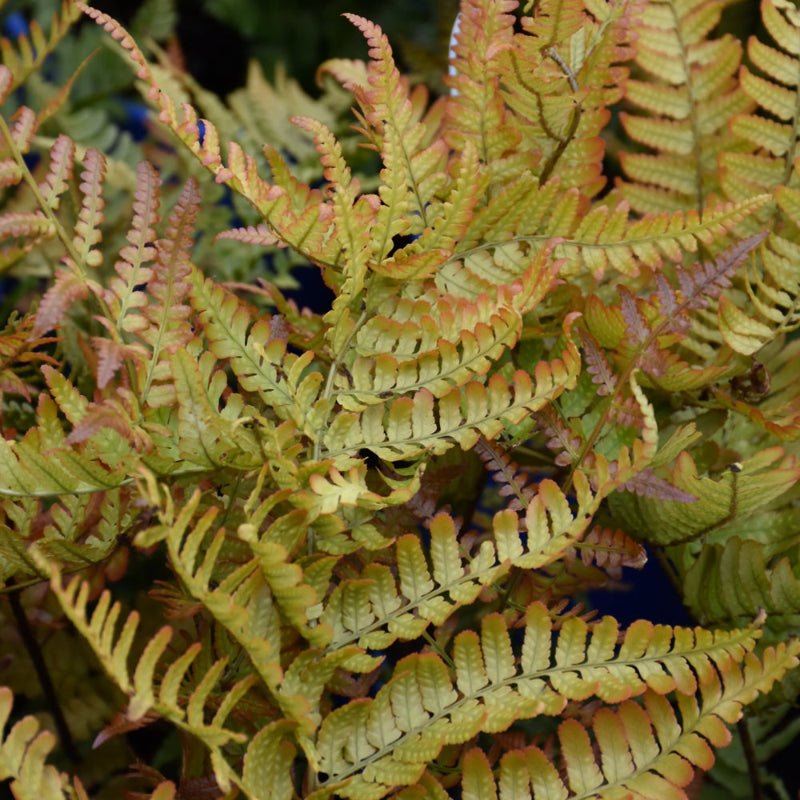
<point>751,758</point>
<point>42,673</point>
<point>311,537</point>
<point>697,151</point>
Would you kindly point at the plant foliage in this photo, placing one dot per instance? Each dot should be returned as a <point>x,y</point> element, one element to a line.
<point>354,541</point>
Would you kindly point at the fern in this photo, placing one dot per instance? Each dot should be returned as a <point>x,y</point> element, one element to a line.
<point>374,519</point>
<point>693,92</point>
<point>637,750</point>
<point>388,740</point>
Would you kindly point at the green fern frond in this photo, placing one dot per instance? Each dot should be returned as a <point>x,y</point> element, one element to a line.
<point>390,113</point>
<point>65,469</point>
<point>728,582</point>
<point>606,237</point>
<point>477,112</point>
<point>733,496</point>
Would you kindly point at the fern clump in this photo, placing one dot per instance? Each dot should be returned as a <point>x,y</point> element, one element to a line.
<point>372,526</point>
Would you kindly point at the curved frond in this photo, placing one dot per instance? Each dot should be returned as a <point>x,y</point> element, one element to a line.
<point>407,427</point>
<point>388,741</point>
<point>638,751</point>
<point>731,497</point>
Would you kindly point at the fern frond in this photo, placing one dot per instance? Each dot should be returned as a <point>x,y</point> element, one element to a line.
<point>256,355</point>
<point>477,113</point>
<point>637,751</point>
<point>407,427</point>
<point>56,182</point>
<point>696,78</point>
<point>506,473</point>
<point>727,499</point>
<point>609,549</point>
<point>27,472</point>
<point>606,237</point>
<point>728,582</point>
<point>563,72</point>
<point>412,164</point>
<point>378,608</point>
<point>175,688</point>
<point>771,286</point>
<point>353,216</point>
<point>90,216</point>
<point>23,751</point>
<point>28,53</point>
<point>388,741</point>
<point>449,342</point>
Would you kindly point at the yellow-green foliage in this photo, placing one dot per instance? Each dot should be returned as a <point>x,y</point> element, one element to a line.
<point>347,606</point>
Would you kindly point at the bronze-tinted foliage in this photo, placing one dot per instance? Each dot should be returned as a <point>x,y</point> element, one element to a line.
<point>377,519</point>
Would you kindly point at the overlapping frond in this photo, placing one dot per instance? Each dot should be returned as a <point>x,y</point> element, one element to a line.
<point>729,498</point>
<point>409,426</point>
<point>379,607</point>
<point>27,471</point>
